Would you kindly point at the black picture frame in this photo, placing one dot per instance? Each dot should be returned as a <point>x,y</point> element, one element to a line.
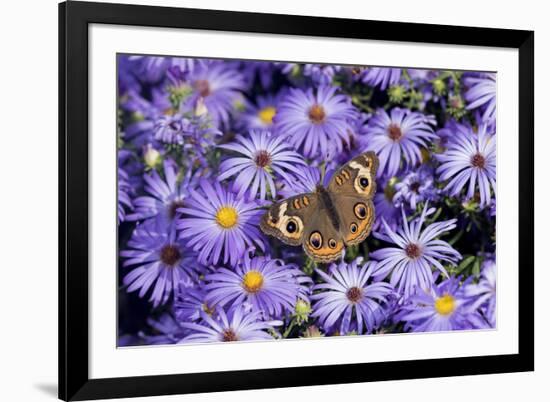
<point>74,19</point>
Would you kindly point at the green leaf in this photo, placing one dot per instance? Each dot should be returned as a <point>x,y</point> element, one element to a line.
<point>475,269</point>
<point>456,237</point>
<point>466,262</point>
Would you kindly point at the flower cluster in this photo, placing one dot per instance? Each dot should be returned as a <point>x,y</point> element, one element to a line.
<point>205,146</point>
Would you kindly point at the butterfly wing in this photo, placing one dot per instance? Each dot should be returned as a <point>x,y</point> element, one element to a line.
<point>286,220</point>
<point>352,188</point>
<point>304,220</point>
<point>357,177</point>
<point>356,218</point>
<point>322,240</point>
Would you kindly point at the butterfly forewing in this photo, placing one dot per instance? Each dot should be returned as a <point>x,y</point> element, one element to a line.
<point>287,220</point>
<point>357,177</point>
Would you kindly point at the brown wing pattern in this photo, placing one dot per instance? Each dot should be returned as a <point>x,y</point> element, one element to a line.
<point>357,177</point>
<point>286,220</point>
<point>324,226</point>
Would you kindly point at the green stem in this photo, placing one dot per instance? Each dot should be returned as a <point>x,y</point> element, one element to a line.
<point>363,105</point>
<point>287,332</point>
<point>456,81</point>
<point>407,76</point>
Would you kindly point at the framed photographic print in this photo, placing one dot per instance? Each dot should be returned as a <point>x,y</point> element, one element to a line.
<point>256,200</point>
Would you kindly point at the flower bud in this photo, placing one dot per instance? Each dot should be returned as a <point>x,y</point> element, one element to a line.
<point>397,93</point>
<point>151,156</point>
<point>302,309</point>
<point>439,86</point>
<point>200,107</point>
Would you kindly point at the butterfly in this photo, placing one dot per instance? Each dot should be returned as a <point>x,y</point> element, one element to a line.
<point>326,221</point>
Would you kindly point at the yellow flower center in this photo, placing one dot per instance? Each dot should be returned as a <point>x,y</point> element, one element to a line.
<point>253,281</point>
<point>266,114</point>
<point>227,217</point>
<point>445,304</point>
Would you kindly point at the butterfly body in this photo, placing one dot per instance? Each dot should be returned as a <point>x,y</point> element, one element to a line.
<point>329,219</point>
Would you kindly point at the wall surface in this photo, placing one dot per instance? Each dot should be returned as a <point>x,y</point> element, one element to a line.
<point>28,200</point>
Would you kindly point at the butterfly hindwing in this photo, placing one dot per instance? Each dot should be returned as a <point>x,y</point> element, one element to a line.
<point>322,241</point>
<point>356,215</point>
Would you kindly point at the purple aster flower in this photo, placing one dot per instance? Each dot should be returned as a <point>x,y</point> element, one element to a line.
<point>126,79</point>
<point>190,302</point>
<point>259,156</point>
<point>290,69</point>
<point>194,133</point>
<point>124,201</point>
<point>303,180</point>
<point>416,187</point>
<point>316,122</point>
<point>357,138</point>
<point>268,285</point>
<point>133,166</point>
<point>185,64</point>
<point>128,340</point>
<point>417,251</point>
<point>431,88</point>
<point>385,207</point>
<point>448,134</point>
<point>396,136</point>
<point>445,136</point>
<point>263,71</point>
<point>143,115</point>
<point>170,129</point>
<point>162,262</point>
<point>429,84</point>
<point>219,86</point>
<point>165,330</point>
<point>485,292</point>
<point>482,93</point>
<point>381,77</point>
<point>491,124</point>
<point>150,69</point>
<point>237,325</point>
<point>200,139</point>
<point>165,196</point>
<point>219,225</point>
<point>260,115</point>
<point>321,74</point>
<point>202,134</point>
<point>442,307</point>
<point>422,76</point>
<point>348,299</point>
<point>470,157</point>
